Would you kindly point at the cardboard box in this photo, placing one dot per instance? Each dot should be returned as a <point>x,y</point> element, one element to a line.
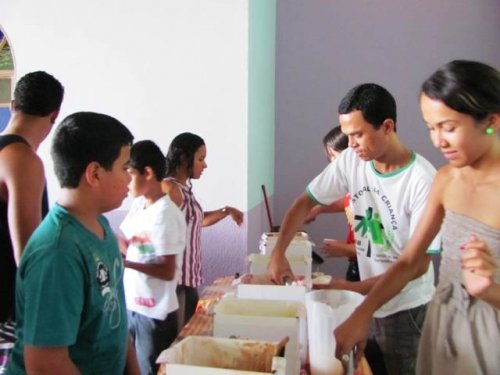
<point>200,355</point>
<point>265,320</point>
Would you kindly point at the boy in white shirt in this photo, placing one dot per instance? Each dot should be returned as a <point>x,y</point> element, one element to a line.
<point>155,232</point>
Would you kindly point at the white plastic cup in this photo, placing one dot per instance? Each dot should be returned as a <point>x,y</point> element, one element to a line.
<point>326,309</point>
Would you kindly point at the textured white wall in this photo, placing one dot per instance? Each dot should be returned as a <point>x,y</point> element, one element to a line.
<point>160,67</point>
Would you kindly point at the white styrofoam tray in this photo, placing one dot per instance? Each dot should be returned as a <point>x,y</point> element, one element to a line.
<point>265,320</point>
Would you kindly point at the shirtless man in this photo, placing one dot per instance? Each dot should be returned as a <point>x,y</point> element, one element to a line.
<point>34,109</point>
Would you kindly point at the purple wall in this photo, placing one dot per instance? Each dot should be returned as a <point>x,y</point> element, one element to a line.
<point>326,47</point>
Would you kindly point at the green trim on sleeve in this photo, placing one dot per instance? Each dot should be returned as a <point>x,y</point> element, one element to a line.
<point>433,251</point>
<point>313,198</point>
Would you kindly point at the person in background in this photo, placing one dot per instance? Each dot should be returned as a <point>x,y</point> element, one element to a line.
<point>460,105</point>
<point>155,231</point>
<point>23,198</point>
<point>185,161</point>
<point>70,303</point>
<point>334,142</point>
<point>389,186</point>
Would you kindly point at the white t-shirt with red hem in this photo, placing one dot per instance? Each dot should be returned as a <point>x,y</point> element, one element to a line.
<point>162,228</point>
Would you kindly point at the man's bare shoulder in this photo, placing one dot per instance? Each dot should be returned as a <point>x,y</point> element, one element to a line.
<point>19,152</point>
<point>19,159</point>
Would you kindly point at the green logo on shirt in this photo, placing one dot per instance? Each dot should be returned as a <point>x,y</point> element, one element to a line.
<point>371,226</point>
<point>370,223</point>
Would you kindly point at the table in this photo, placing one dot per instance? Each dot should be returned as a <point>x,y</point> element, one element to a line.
<point>201,324</point>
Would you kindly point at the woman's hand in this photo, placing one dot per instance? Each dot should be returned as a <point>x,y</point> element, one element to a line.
<point>336,248</point>
<point>331,247</point>
<point>479,267</point>
<point>236,214</point>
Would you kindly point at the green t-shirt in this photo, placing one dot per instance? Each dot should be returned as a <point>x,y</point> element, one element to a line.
<point>69,293</point>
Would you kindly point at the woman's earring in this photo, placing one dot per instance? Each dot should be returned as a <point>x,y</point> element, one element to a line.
<point>489,131</point>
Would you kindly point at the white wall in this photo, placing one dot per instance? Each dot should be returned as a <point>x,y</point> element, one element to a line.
<point>160,67</point>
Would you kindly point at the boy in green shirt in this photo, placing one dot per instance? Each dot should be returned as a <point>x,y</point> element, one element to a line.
<point>69,295</point>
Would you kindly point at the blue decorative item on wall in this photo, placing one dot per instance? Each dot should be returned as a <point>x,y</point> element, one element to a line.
<point>6,74</point>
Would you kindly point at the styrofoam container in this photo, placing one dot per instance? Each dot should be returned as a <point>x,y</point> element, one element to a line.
<point>301,265</point>
<point>200,355</point>
<point>273,292</point>
<point>299,245</point>
<point>294,293</point>
<point>265,320</point>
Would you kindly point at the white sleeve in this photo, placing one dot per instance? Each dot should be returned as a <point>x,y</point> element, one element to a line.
<point>331,184</point>
<point>128,225</point>
<point>168,234</point>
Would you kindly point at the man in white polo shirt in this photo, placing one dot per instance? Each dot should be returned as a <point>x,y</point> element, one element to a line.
<point>389,185</point>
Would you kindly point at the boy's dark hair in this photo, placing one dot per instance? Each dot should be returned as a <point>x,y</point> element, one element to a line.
<point>468,87</point>
<point>38,94</point>
<point>336,140</point>
<point>147,154</point>
<point>182,149</point>
<point>85,137</point>
<point>375,103</point>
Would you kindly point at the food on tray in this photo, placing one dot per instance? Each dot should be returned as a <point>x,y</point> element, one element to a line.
<point>322,280</point>
<point>262,279</point>
<point>249,278</point>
